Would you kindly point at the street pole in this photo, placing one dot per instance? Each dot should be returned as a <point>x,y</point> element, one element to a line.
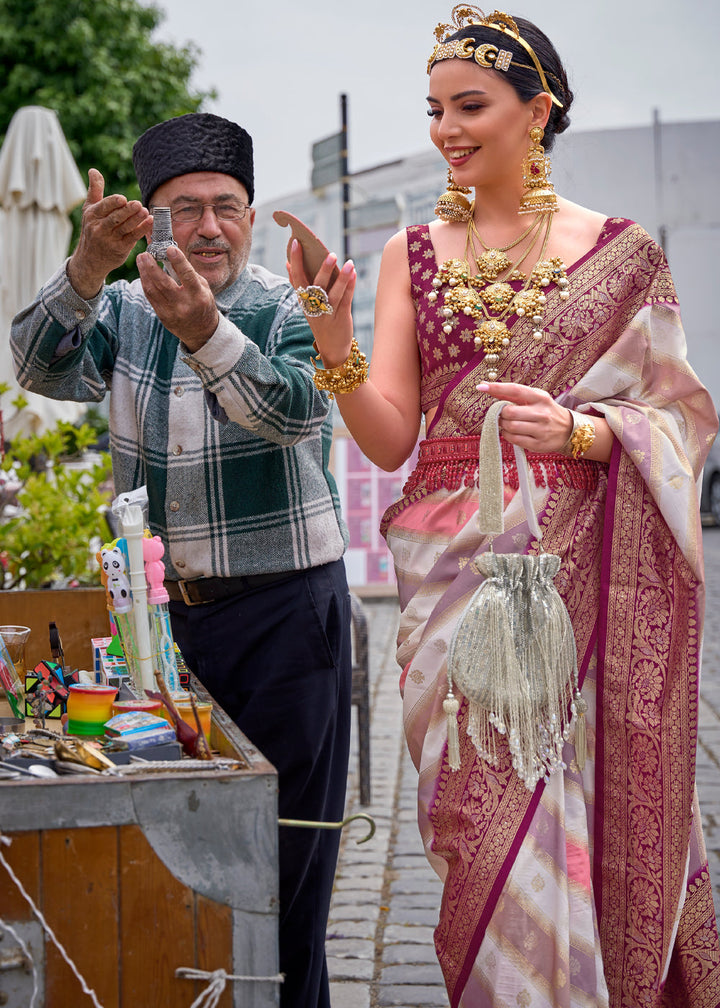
<point>345,179</point>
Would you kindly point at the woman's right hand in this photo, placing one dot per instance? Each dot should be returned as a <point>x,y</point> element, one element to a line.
<point>333,332</point>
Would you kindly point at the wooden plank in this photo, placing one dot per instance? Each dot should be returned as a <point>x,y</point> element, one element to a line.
<point>214,939</point>
<point>79,873</point>
<point>157,927</point>
<point>23,856</point>
<point>80,614</point>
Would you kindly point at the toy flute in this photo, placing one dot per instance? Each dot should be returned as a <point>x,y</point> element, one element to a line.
<point>131,521</point>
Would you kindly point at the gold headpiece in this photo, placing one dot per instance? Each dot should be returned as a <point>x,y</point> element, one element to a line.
<point>485,55</point>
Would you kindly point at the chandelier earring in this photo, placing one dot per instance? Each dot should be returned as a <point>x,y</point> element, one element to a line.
<point>453,205</point>
<point>539,195</point>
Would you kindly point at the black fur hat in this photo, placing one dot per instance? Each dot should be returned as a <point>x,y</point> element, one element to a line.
<point>196,142</point>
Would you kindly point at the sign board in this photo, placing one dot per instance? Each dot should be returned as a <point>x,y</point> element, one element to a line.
<point>328,157</point>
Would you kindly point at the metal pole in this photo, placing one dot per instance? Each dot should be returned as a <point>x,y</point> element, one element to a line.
<point>659,201</point>
<point>345,179</point>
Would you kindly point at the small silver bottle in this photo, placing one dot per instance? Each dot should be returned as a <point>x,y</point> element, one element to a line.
<point>162,238</point>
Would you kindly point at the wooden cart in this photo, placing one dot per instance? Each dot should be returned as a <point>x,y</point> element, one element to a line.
<point>140,876</point>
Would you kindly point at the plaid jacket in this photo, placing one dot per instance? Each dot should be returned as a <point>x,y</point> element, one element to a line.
<point>232,442</point>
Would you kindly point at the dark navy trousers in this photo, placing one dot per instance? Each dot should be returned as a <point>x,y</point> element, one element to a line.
<point>277,659</point>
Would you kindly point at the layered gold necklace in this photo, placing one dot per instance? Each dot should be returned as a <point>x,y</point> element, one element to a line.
<point>484,293</point>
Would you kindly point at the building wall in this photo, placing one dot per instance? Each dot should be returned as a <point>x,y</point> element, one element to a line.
<point>663,175</point>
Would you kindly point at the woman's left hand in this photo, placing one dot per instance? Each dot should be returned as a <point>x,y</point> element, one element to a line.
<point>532,419</point>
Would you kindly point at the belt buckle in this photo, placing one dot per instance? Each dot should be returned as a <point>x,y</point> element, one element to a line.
<point>182,585</point>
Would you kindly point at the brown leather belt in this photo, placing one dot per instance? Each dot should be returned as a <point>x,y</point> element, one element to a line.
<point>200,591</point>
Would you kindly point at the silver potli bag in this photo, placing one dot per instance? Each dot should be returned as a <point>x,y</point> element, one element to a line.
<point>513,653</point>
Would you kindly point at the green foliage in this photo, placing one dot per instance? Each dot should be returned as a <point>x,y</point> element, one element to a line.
<point>96,64</point>
<point>62,501</point>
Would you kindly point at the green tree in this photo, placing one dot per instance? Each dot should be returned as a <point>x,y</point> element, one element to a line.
<point>96,64</point>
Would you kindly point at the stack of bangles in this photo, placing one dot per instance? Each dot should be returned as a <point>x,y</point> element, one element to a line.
<point>346,377</point>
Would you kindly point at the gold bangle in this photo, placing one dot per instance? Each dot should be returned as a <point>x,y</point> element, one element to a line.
<point>581,437</point>
<point>346,377</point>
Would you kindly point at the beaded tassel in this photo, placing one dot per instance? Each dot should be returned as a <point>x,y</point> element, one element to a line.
<point>451,707</point>
<point>580,709</point>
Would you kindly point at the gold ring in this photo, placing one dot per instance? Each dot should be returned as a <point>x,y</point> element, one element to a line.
<point>314,301</point>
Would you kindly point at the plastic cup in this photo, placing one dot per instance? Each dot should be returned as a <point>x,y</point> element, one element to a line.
<point>12,676</point>
<point>15,638</point>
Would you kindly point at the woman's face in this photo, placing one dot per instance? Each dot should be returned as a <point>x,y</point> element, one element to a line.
<point>479,124</point>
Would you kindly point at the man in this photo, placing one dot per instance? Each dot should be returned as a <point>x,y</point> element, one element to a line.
<point>214,409</point>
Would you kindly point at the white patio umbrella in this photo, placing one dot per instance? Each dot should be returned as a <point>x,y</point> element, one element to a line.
<point>39,185</point>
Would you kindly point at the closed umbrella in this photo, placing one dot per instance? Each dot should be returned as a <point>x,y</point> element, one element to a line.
<point>39,186</point>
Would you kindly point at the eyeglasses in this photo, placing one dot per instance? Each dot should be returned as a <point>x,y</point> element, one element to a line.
<point>190,213</point>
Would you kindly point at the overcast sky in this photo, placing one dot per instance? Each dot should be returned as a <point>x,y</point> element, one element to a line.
<point>279,68</point>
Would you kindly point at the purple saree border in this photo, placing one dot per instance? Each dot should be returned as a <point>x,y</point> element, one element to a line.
<point>599,809</point>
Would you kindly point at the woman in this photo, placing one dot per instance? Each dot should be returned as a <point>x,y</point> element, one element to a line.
<point>591,886</point>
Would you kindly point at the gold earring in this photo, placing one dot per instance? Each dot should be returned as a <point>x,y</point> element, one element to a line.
<point>539,196</point>
<point>452,205</point>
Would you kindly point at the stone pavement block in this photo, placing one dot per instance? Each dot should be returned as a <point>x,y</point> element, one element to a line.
<point>350,948</point>
<point>423,916</point>
<point>429,975</point>
<point>356,896</point>
<point>407,996</point>
<point>399,953</point>
<point>350,969</point>
<point>349,995</point>
<point>427,899</point>
<point>412,880</point>
<point>409,933</point>
<point>338,930</point>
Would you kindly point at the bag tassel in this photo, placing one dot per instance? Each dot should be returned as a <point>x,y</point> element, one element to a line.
<point>451,706</point>
<point>579,709</point>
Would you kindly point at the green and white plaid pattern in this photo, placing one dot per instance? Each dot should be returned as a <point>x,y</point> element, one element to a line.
<point>246,496</point>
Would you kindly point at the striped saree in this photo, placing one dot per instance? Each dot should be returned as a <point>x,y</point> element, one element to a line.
<point>592,889</point>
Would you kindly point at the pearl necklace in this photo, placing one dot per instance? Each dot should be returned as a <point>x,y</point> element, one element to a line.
<point>489,299</point>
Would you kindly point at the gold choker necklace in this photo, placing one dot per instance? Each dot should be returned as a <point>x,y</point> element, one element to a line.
<point>488,298</point>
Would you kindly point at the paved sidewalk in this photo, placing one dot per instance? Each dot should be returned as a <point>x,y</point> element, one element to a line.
<point>386,898</point>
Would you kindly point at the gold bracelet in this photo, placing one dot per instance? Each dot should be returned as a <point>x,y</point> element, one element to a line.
<point>581,437</point>
<point>346,377</point>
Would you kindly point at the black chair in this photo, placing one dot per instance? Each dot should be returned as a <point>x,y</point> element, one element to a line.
<point>361,693</point>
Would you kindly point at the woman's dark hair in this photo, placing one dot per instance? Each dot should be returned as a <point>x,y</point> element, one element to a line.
<point>522,74</point>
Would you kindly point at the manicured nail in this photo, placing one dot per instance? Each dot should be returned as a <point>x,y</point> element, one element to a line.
<point>331,259</point>
<point>349,267</point>
<point>482,387</point>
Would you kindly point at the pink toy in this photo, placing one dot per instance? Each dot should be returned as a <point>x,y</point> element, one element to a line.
<point>153,551</point>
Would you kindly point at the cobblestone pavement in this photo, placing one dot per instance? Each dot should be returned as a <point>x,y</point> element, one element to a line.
<point>385,903</point>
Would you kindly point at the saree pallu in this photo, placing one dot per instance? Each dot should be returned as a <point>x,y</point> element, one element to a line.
<point>592,889</point>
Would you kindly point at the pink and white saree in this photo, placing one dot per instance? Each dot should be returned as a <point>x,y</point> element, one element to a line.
<point>593,889</point>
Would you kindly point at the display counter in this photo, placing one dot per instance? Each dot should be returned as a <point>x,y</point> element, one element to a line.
<point>139,875</point>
